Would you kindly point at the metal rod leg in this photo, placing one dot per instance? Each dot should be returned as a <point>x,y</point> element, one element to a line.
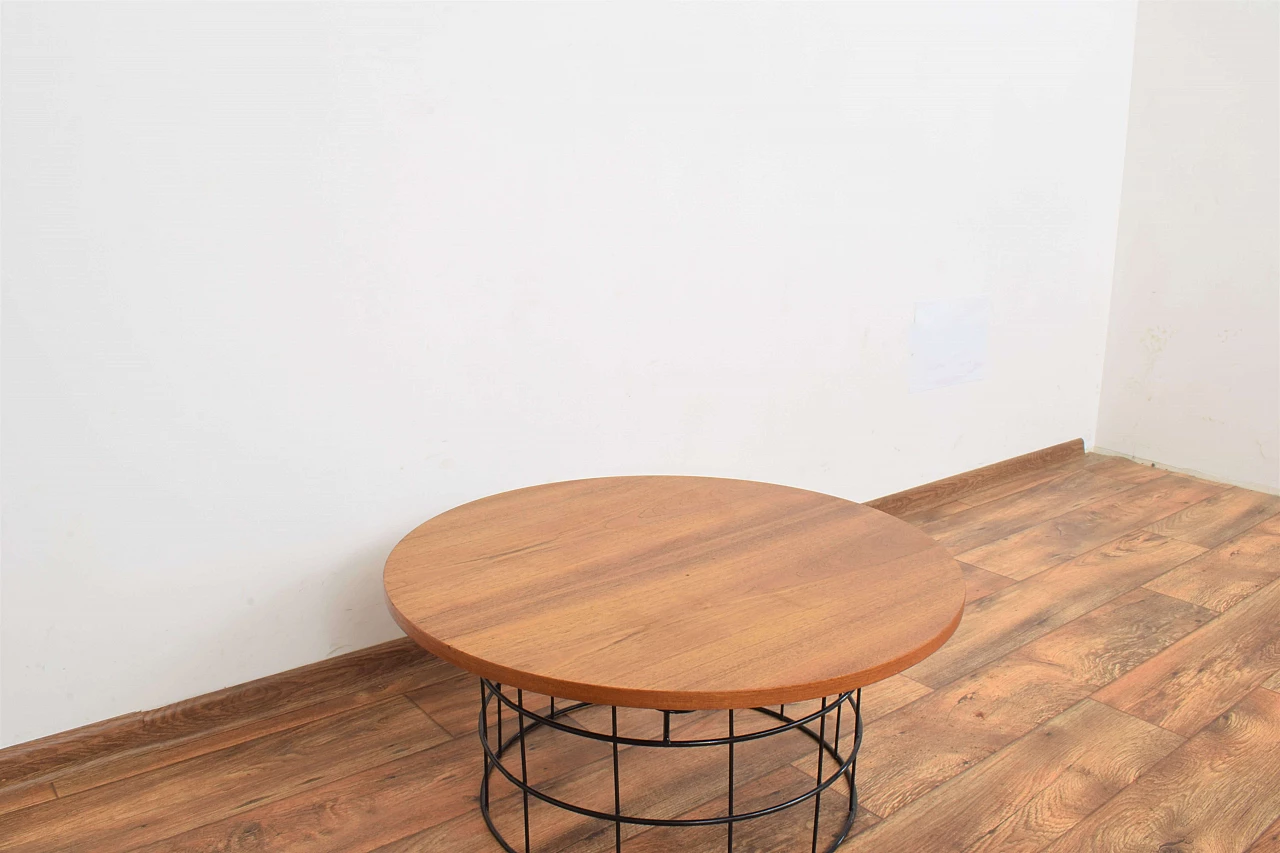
<point>484,734</point>
<point>524,767</point>
<point>817,798</point>
<point>730,824</point>
<point>617,791</point>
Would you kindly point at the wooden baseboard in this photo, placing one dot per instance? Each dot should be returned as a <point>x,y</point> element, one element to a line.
<point>212,712</point>
<point>952,488</point>
<point>314,683</point>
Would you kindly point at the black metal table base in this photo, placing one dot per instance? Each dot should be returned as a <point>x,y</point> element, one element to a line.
<point>527,721</point>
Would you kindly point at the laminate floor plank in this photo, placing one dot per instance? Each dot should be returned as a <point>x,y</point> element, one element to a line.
<point>1124,469</point>
<point>1217,793</point>
<point>145,808</point>
<point>1218,518</point>
<point>932,513</point>
<point>1269,841</point>
<point>911,751</point>
<point>1026,479</point>
<point>1044,545</point>
<point>979,583</point>
<point>1028,793</point>
<point>965,530</point>
<point>24,794</point>
<point>1225,575</point>
<point>1199,677</point>
<point>1011,617</point>
<point>365,676</point>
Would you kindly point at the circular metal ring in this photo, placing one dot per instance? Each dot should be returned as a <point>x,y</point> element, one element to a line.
<point>845,765</point>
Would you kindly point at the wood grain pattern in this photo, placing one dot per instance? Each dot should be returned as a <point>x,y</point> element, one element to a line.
<point>143,809</point>
<point>962,531</point>
<point>116,747</point>
<point>1273,683</point>
<point>979,583</point>
<point>1018,614</point>
<point>1223,576</point>
<point>1219,517</point>
<point>952,488</point>
<point>1028,793</point>
<point>1202,675</point>
<point>918,747</point>
<point>1269,841</point>
<point>24,794</point>
<point>1026,479</point>
<point>1217,792</point>
<point>683,593</point>
<point>1057,540</point>
<point>1120,468</point>
<point>922,516</point>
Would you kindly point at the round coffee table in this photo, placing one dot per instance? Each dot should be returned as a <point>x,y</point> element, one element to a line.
<point>673,594</point>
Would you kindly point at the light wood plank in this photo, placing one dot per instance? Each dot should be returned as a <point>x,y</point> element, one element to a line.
<point>1006,619</point>
<point>918,747</point>
<point>1057,540</point>
<point>1120,468</point>
<point>1215,793</point>
<point>932,513</point>
<point>145,808</point>
<point>979,583</point>
<point>1027,794</point>
<point>1218,518</point>
<point>1026,480</point>
<point>1223,576</point>
<point>966,530</point>
<point>1202,675</point>
<point>1273,683</point>
<point>1269,841</point>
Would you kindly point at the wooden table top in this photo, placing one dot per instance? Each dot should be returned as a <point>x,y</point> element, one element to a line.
<point>679,593</point>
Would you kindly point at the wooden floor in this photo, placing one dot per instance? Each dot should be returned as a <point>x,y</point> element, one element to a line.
<point>1114,686</point>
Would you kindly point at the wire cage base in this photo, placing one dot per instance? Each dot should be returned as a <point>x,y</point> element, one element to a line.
<point>816,725</point>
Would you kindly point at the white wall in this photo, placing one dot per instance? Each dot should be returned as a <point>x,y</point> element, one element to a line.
<point>283,281</point>
<point>1192,378</point>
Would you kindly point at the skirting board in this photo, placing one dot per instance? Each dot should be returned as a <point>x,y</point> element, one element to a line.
<point>942,491</point>
<point>37,760</point>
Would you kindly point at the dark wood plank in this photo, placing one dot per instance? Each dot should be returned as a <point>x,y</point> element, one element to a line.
<point>1223,576</point>
<point>979,583</point>
<point>24,794</point>
<point>1215,793</point>
<point>146,808</point>
<point>352,814</point>
<point>1009,618</point>
<point>1120,468</point>
<point>1218,518</point>
<point>911,751</point>
<point>378,671</point>
<point>953,488</point>
<point>965,530</point>
<point>1028,793</point>
<point>1199,677</point>
<point>1057,540</point>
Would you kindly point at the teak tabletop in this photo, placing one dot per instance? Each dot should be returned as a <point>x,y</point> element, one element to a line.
<point>677,593</point>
